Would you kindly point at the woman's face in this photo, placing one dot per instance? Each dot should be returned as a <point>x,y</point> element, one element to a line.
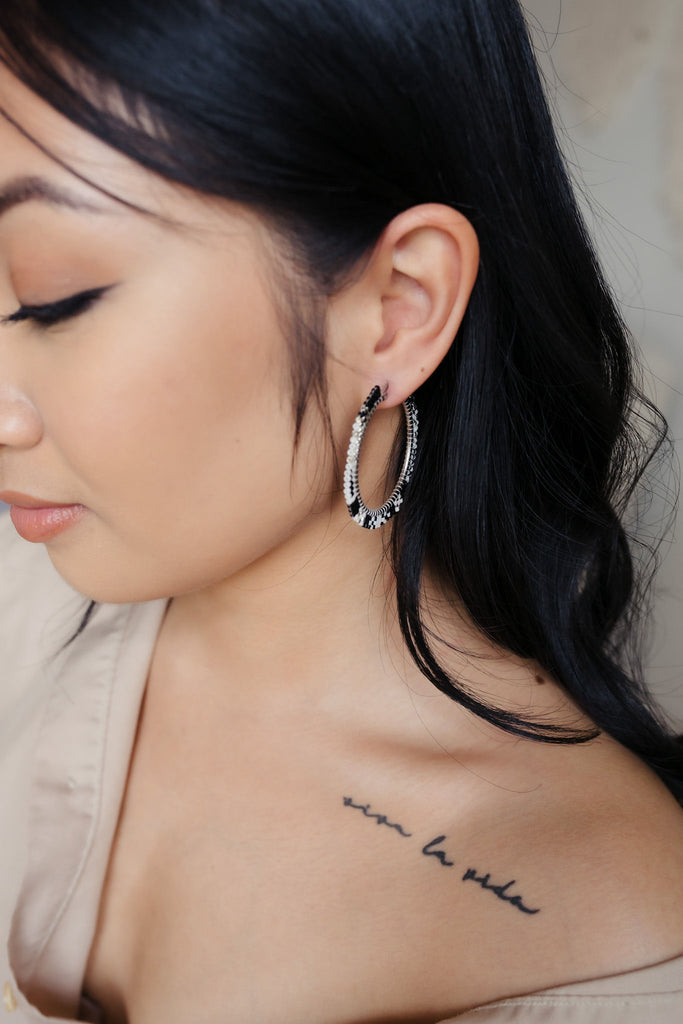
<point>164,406</point>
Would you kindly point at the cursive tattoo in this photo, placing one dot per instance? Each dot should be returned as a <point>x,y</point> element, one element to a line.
<point>439,854</point>
<point>435,848</point>
<point>499,890</point>
<point>381,819</point>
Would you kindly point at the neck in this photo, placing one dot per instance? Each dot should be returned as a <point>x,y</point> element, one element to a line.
<point>317,616</point>
<point>313,605</point>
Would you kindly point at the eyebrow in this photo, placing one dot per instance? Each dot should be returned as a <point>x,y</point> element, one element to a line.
<point>25,189</point>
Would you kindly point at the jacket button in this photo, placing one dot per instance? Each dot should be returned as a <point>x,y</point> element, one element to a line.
<point>8,998</point>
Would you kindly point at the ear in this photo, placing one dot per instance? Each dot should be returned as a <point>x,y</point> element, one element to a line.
<point>395,323</point>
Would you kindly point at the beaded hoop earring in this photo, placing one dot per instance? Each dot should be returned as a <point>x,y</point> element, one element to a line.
<point>373,518</point>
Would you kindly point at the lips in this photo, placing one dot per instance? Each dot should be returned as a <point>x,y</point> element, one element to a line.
<point>37,519</point>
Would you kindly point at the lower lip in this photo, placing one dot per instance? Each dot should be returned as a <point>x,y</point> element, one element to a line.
<point>40,524</point>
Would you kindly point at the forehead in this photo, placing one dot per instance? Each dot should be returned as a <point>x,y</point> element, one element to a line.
<point>39,143</point>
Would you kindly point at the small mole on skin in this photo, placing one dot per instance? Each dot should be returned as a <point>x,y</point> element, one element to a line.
<point>540,679</point>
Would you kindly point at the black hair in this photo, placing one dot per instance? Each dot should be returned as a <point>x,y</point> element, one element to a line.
<point>331,118</point>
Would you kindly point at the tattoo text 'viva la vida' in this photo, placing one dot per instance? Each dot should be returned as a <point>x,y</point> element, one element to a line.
<point>434,848</point>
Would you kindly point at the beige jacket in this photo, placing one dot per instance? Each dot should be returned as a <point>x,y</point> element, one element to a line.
<point>67,724</point>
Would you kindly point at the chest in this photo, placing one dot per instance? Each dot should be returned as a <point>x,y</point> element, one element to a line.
<point>240,887</point>
<point>243,887</point>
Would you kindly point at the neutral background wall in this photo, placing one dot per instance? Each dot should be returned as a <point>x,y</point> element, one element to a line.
<point>614,72</point>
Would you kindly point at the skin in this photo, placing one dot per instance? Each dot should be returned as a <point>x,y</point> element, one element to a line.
<point>112,409</point>
<point>279,682</point>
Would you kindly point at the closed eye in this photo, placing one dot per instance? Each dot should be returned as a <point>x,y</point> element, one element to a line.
<point>51,313</point>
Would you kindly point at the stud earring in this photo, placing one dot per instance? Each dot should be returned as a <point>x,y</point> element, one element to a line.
<point>373,518</point>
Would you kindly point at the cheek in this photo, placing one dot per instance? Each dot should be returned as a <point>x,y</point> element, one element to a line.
<point>179,434</point>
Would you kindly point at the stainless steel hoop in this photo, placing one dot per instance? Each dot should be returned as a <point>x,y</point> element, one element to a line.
<point>373,518</point>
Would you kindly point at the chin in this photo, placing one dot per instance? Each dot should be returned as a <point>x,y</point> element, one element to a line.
<point>105,585</point>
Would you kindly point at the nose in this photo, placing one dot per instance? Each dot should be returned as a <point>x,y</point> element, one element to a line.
<point>20,422</point>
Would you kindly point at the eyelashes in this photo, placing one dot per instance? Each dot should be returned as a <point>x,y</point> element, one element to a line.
<point>51,313</point>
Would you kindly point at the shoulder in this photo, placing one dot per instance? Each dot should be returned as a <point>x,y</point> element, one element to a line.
<point>593,843</point>
<point>623,832</point>
<point>531,864</point>
<point>516,867</point>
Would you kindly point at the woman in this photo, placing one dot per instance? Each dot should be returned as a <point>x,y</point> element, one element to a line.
<point>298,760</point>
